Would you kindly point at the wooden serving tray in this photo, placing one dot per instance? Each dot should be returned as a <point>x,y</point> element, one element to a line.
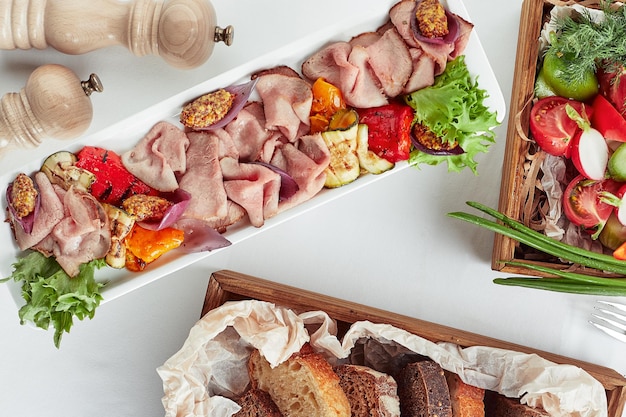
<point>514,201</point>
<point>231,286</point>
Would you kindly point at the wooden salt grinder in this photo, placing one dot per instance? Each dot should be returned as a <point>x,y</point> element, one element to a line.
<point>54,103</point>
<point>182,32</point>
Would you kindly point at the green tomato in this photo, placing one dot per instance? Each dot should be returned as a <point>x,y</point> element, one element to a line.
<point>554,69</point>
<point>613,233</point>
<point>617,164</point>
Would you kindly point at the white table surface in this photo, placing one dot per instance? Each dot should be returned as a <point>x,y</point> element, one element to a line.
<point>388,245</point>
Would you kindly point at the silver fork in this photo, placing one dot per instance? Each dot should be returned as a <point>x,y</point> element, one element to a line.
<point>610,317</point>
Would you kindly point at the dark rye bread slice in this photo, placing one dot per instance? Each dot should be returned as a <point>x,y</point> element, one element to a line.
<point>423,390</point>
<point>497,405</point>
<point>257,403</point>
<point>370,393</point>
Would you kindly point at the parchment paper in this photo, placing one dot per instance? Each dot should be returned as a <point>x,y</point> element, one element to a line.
<point>211,365</point>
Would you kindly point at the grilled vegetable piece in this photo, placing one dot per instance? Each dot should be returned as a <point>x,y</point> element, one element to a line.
<point>149,245</point>
<point>344,163</point>
<point>389,130</point>
<point>343,119</point>
<point>113,182</point>
<point>121,225</point>
<point>61,169</point>
<point>368,160</point>
<point>327,100</point>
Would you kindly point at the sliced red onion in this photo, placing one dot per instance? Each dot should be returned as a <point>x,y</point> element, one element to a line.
<point>25,222</point>
<point>457,150</point>
<point>288,186</point>
<point>180,198</point>
<point>242,93</point>
<point>200,237</point>
<point>453,29</point>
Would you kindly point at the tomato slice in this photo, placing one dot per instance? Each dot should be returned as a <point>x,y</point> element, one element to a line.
<point>607,120</point>
<point>550,125</point>
<point>582,203</point>
<point>613,87</point>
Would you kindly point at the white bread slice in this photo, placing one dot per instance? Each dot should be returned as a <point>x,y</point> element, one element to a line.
<point>371,393</point>
<point>305,385</point>
<point>466,400</point>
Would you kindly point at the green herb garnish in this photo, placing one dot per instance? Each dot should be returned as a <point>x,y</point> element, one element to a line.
<point>51,296</point>
<point>453,109</point>
<point>587,45</point>
<point>566,281</point>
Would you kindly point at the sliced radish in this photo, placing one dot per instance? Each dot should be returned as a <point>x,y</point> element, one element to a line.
<point>590,154</point>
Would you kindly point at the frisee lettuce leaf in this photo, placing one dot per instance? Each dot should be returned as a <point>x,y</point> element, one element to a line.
<point>51,296</point>
<point>453,108</point>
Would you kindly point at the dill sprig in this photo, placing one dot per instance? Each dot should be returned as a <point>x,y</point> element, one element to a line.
<point>586,45</point>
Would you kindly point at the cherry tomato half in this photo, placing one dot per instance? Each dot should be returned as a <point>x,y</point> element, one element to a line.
<point>582,204</point>
<point>550,125</point>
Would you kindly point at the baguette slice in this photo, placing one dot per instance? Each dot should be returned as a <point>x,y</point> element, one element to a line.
<point>423,390</point>
<point>370,393</point>
<point>466,400</point>
<point>305,385</point>
<point>257,403</point>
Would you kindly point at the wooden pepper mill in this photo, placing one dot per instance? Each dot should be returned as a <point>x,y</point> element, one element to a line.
<point>54,103</point>
<point>183,32</point>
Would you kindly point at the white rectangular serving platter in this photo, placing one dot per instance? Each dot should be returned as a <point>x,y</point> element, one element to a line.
<point>123,135</point>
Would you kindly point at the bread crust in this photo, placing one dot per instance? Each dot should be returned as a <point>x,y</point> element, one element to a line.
<point>423,390</point>
<point>257,403</point>
<point>305,385</point>
<point>466,400</point>
<point>370,393</point>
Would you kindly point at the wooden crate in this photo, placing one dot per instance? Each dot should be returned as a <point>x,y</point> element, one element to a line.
<point>228,286</point>
<point>518,195</point>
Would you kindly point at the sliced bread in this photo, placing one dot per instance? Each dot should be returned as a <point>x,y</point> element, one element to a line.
<point>370,393</point>
<point>257,403</point>
<point>497,405</point>
<point>466,400</point>
<point>304,385</point>
<point>423,390</point>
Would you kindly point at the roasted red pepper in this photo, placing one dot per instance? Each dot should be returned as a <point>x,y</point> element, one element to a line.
<point>113,182</point>
<point>389,130</point>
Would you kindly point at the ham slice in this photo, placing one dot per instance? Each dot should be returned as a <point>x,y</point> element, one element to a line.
<point>203,180</point>
<point>331,63</point>
<point>423,74</point>
<point>248,132</point>
<point>254,187</point>
<point>346,66</point>
<point>50,213</point>
<point>81,236</point>
<point>159,156</point>
<point>84,234</point>
<point>465,31</point>
<point>390,61</point>
<point>306,162</point>
<point>286,102</point>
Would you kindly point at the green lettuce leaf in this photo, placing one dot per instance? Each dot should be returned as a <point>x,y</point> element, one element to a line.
<point>51,296</point>
<point>453,108</point>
